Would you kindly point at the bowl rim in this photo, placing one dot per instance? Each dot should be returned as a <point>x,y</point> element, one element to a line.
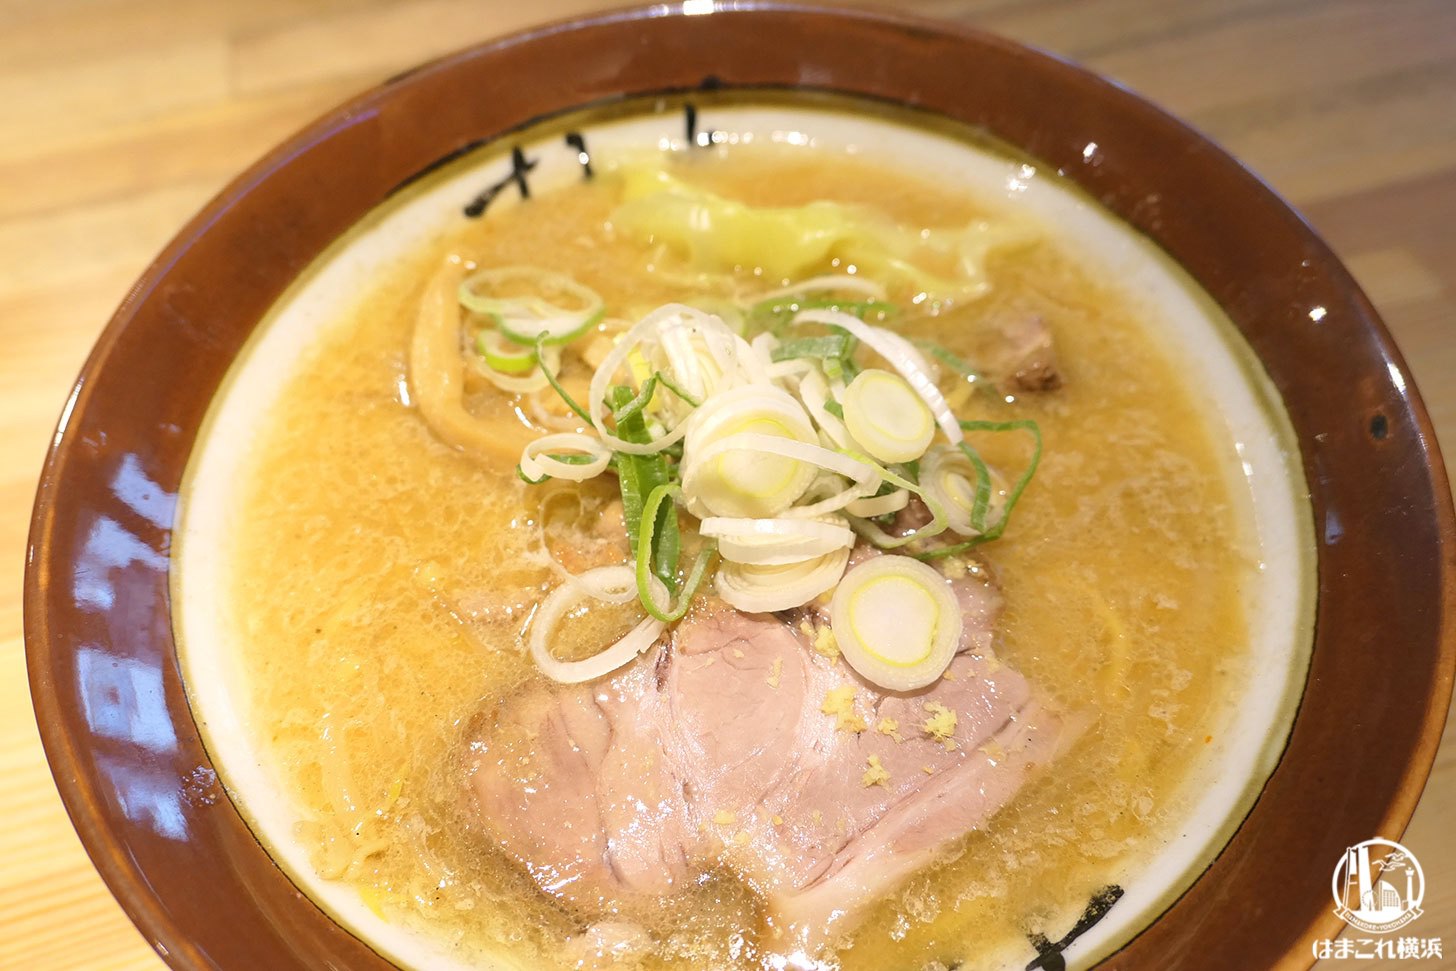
<point>127,880</point>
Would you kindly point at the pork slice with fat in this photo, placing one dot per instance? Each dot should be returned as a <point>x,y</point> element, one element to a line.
<point>573,782</point>
<point>820,829</point>
<point>726,748</point>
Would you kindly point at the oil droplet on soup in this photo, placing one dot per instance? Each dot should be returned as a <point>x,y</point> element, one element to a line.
<point>382,580</point>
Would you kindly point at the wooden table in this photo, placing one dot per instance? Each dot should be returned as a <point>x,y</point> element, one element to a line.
<point>119,118</point>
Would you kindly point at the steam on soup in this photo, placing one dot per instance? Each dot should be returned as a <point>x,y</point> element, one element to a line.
<point>760,559</point>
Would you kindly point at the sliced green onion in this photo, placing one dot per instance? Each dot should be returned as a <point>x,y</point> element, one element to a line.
<point>882,505</point>
<point>905,359</point>
<point>565,458</point>
<point>776,542</point>
<point>587,458</point>
<point>961,480</point>
<point>505,356</point>
<point>637,476</point>
<point>937,525</point>
<point>828,459</point>
<point>549,371</point>
<point>650,547</point>
<point>643,398</point>
<point>742,480</point>
<point>526,330</point>
<point>664,379</point>
<point>635,407</point>
<point>533,380</point>
<point>829,282</point>
<point>953,361</point>
<point>896,622</point>
<point>835,501</point>
<point>724,347</point>
<point>1013,496</point>
<point>830,345</point>
<point>814,392</point>
<point>776,312</point>
<point>981,503</point>
<point>609,584</point>
<point>886,416</point>
<point>526,318</point>
<point>732,476</point>
<point>759,589</point>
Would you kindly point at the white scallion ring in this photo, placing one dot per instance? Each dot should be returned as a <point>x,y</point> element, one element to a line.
<point>524,319</point>
<point>535,462</point>
<point>648,328</point>
<point>530,381</point>
<point>879,505</point>
<point>731,499</point>
<point>814,391</point>
<point>886,416</point>
<point>505,355</point>
<point>608,584</point>
<point>758,589</point>
<point>896,622</point>
<point>776,542</point>
<point>949,478</point>
<point>900,353</point>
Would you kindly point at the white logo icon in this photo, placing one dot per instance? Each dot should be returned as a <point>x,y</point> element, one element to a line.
<point>1378,886</point>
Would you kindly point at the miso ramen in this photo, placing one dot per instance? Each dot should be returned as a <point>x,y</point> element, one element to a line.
<point>748,558</point>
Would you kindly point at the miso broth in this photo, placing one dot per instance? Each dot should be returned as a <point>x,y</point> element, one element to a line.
<point>381,580</point>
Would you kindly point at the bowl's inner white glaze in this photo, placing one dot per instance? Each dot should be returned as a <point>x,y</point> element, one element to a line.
<point>1219,368</point>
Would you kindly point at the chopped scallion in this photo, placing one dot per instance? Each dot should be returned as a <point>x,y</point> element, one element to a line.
<point>657,546</point>
<point>556,385</point>
<point>1012,497</point>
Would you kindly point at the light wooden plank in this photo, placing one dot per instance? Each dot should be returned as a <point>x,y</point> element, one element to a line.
<point>128,84</point>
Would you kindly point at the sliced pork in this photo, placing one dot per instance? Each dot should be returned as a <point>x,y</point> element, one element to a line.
<point>1025,359</point>
<point>747,743</point>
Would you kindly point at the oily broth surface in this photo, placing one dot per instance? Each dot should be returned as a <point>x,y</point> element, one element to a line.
<point>381,580</point>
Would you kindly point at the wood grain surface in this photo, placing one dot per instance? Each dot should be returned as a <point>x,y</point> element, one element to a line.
<point>119,118</point>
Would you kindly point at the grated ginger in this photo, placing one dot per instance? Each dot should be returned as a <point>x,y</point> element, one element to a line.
<point>724,818</point>
<point>941,724</point>
<point>821,638</point>
<point>774,675</point>
<point>839,702</point>
<point>890,727</point>
<point>876,774</point>
<point>953,567</point>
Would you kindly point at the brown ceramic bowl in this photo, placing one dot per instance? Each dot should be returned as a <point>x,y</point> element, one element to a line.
<point>104,672</point>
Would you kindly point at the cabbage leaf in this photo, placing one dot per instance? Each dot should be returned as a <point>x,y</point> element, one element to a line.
<point>715,234</point>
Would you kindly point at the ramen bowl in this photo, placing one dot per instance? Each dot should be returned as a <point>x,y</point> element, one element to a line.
<point>1350,484</point>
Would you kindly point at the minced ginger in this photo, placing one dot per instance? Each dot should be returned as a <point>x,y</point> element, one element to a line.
<point>876,774</point>
<point>941,724</point>
<point>839,702</point>
<point>821,638</point>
